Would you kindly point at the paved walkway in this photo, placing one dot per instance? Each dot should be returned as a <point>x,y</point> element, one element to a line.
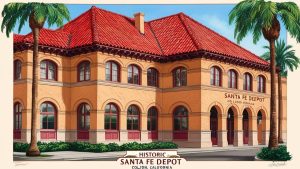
<point>73,155</point>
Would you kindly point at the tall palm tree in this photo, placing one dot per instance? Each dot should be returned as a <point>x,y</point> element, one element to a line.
<point>262,18</point>
<point>37,14</point>
<point>285,60</point>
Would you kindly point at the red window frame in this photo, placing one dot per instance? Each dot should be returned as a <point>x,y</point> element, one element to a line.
<point>213,76</point>
<point>86,71</point>
<point>248,82</point>
<point>151,116</point>
<point>131,73</point>
<point>109,68</point>
<point>17,120</point>
<point>48,133</point>
<point>181,79</point>
<point>47,70</point>
<point>17,69</point>
<point>232,84</point>
<point>181,133</point>
<point>152,77</point>
<point>261,84</point>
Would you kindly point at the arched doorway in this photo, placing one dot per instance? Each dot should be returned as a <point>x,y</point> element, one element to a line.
<point>259,127</point>
<point>230,126</point>
<point>245,127</point>
<point>214,125</point>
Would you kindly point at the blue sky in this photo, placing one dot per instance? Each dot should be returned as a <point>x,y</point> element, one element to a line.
<point>213,16</point>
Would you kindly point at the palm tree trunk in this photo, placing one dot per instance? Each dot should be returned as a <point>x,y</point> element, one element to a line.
<point>280,110</point>
<point>33,148</point>
<point>273,139</point>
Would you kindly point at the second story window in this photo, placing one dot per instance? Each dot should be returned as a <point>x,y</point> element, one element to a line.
<point>48,70</point>
<point>112,71</point>
<point>84,71</point>
<point>247,82</point>
<point>134,76</point>
<point>261,84</point>
<point>232,79</point>
<point>215,76</point>
<point>17,69</point>
<point>179,77</point>
<point>152,77</point>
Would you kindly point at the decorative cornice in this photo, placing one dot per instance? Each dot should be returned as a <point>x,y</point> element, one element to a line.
<point>141,55</point>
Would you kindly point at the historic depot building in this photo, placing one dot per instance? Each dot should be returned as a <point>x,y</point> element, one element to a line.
<point>104,77</point>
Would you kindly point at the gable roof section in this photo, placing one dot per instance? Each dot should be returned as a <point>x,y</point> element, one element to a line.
<point>165,37</point>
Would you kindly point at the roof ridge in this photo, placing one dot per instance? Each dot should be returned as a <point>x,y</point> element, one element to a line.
<point>188,31</point>
<point>93,25</point>
<point>223,37</point>
<point>162,52</point>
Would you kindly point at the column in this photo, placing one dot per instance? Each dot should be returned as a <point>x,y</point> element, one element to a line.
<point>93,127</point>
<point>222,131</point>
<point>253,131</point>
<point>123,127</point>
<point>205,133</point>
<point>144,131</point>
<point>165,130</point>
<point>238,132</point>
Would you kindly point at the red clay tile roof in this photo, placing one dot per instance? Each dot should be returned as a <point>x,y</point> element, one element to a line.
<point>171,35</point>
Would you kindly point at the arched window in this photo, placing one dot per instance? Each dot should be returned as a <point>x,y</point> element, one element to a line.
<point>261,84</point>
<point>152,119</point>
<point>17,69</point>
<point>179,77</point>
<point>247,82</point>
<point>84,116</point>
<point>84,71</point>
<point>152,77</point>
<point>17,116</point>
<point>111,117</point>
<point>48,121</point>
<point>48,70</point>
<point>215,76</point>
<point>17,120</point>
<point>112,71</point>
<point>180,123</point>
<point>133,118</point>
<point>134,76</point>
<point>232,79</point>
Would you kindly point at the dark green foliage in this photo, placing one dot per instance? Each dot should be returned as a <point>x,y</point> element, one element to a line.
<point>276,154</point>
<point>100,147</point>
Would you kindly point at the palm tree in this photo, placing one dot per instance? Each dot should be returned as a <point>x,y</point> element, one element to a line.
<point>285,60</point>
<point>262,18</point>
<point>37,14</point>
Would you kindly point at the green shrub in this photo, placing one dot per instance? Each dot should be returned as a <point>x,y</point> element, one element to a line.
<point>87,147</point>
<point>20,147</point>
<point>277,154</point>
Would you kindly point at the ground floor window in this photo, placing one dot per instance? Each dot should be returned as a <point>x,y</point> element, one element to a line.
<point>111,121</point>
<point>152,123</point>
<point>17,120</point>
<point>133,122</point>
<point>48,121</point>
<point>180,123</point>
<point>83,121</point>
